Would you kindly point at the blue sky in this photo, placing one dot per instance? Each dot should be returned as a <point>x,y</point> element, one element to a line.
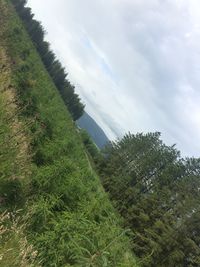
<point>135,63</point>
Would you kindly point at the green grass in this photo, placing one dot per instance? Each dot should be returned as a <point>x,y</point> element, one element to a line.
<point>68,216</point>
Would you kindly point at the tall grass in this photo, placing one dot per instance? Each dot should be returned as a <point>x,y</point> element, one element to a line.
<point>70,219</point>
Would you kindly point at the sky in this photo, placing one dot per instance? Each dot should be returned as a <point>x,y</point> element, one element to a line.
<point>135,63</point>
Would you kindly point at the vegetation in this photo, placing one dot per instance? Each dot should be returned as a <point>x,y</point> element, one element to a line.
<point>93,151</point>
<point>14,248</point>
<point>52,64</point>
<point>65,216</point>
<point>157,193</point>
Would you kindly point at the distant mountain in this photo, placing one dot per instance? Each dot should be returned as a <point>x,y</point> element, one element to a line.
<point>94,130</point>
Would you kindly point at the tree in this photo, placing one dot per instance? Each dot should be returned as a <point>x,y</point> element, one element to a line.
<point>157,193</point>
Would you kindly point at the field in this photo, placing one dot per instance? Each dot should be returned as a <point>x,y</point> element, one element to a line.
<point>54,211</point>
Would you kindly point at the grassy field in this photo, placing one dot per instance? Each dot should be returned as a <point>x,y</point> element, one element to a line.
<point>63,210</point>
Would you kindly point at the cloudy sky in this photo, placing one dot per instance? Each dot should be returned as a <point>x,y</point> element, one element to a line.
<point>135,63</point>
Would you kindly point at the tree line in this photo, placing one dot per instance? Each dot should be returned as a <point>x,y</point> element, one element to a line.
<point>52,64</point>
<point>157,193</point>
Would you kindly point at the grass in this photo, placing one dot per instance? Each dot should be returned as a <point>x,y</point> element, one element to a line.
<point>15,250</point>
<point>68,218</point>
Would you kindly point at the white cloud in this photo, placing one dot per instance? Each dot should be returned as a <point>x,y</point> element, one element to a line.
<point>135,63</point>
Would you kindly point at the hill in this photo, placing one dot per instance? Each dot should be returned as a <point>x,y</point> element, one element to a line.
<point>97,134</point>
<point>54,211</point>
